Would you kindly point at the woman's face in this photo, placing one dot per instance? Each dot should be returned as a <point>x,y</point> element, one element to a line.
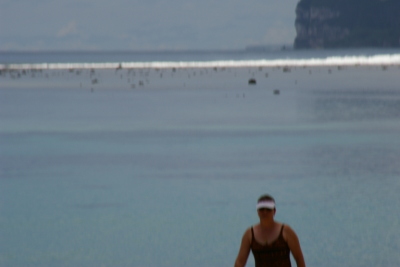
<point>266,214</point>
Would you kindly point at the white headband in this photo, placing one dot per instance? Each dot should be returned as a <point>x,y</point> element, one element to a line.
<point>269,204</point>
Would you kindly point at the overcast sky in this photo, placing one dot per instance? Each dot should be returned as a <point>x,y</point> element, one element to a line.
<point>144,24</point>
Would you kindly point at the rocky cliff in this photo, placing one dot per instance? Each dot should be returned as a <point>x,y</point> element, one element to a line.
<point>347,23</point>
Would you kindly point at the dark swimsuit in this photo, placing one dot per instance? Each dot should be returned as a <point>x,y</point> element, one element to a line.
<point>277,254</point>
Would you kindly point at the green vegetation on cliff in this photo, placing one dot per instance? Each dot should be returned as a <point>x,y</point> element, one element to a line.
<point>347,23</point>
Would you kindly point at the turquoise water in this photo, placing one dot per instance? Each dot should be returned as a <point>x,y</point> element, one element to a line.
<point>167,172</point>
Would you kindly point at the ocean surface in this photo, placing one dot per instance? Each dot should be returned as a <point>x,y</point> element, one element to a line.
<point>157,158</point>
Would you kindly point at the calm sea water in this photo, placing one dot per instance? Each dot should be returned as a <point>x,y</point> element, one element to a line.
<point>162,167</point>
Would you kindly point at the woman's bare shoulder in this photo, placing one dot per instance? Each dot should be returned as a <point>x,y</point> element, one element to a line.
<point>288,232</point>
<point>248,233</point>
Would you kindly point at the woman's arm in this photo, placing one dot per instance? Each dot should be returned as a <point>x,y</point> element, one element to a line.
<point>294,245</point>
<point>244,249</point>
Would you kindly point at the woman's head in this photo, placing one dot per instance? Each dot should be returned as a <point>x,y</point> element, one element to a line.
<point>266,208</point>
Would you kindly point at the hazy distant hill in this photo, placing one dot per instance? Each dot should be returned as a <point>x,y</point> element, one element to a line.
<point>347,23</point>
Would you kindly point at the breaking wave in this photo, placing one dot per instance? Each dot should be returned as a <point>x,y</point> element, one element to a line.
<point>375,60</point>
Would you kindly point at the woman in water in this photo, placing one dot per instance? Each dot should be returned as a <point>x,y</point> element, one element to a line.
<point>271,242</point>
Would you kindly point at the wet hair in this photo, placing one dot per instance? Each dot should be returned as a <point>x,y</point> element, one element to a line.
<point>266,197</point>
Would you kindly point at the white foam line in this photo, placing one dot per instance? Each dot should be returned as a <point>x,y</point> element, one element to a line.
<point>376,60</point>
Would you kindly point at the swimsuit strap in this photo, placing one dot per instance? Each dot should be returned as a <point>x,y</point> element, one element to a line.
<point>252,235</point>
<point>283,225</point>
<point>281,234</point>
